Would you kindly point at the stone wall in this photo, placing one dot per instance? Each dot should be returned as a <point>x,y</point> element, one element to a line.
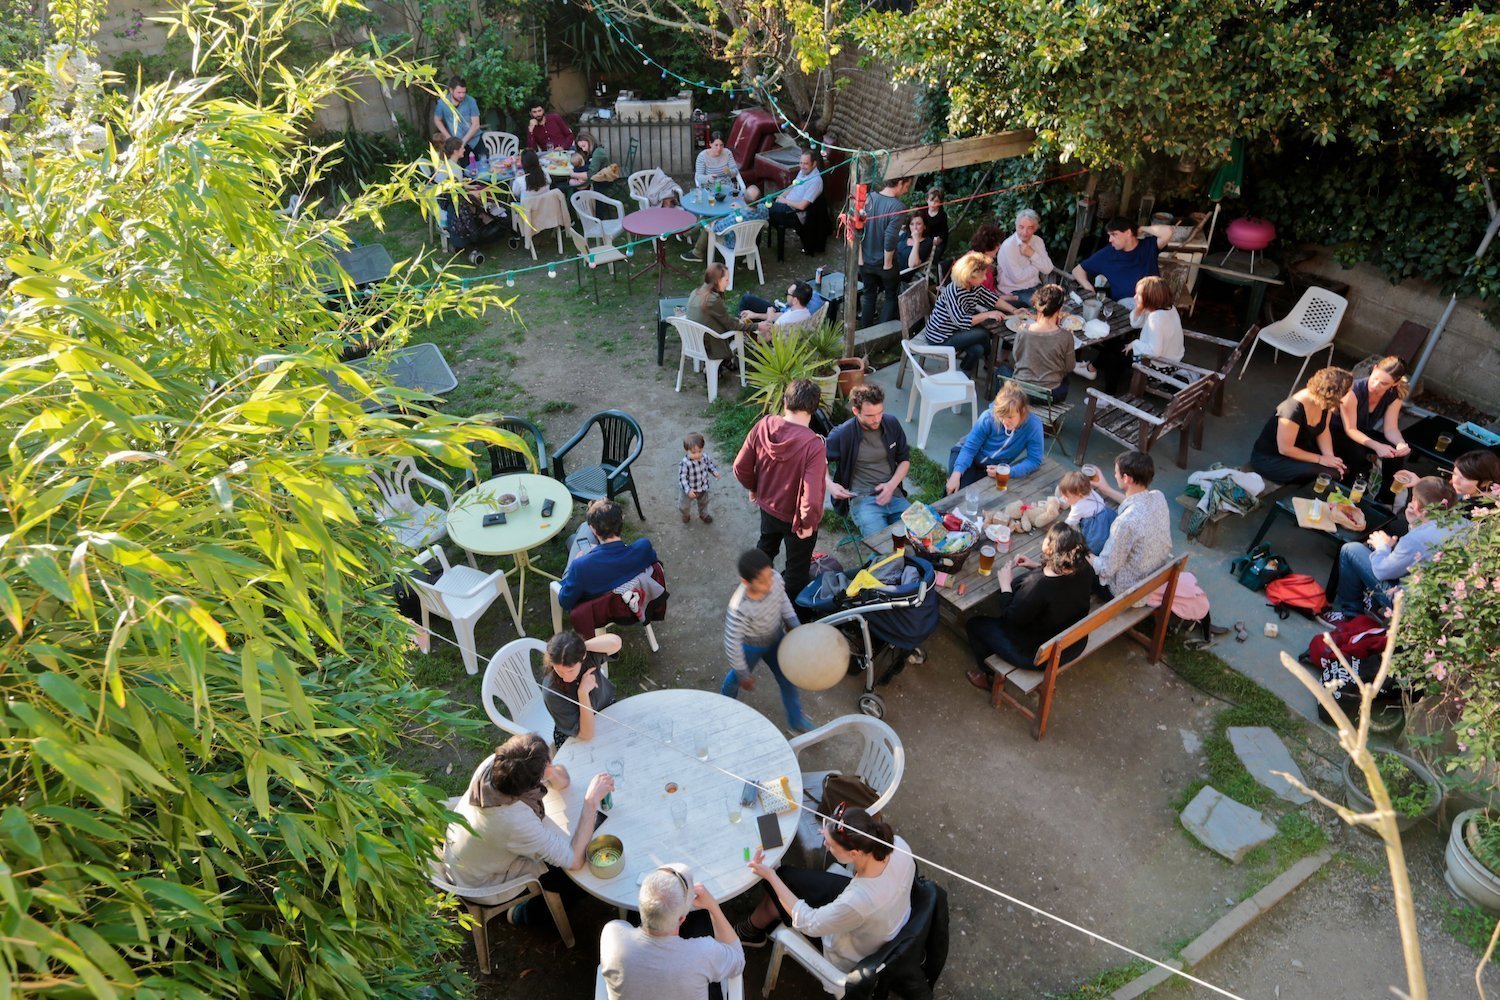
<point>1466,364</point>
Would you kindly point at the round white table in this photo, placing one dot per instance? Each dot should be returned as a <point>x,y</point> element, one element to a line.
<point>741,741</point>
<point>524,528</point>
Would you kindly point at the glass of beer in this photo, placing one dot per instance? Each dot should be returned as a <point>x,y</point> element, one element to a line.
<point>1090,471</point>
<point>898,537</point>
<point>1002,476</point>
<point>986,560</point>
<point>1443,441</point>
<point>1357,491</point>
<point>1320,486</point>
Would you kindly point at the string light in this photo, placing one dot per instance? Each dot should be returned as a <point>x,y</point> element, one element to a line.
<point>510,280</point>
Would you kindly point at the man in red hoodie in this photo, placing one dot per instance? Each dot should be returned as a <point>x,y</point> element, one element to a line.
<point>784,464</point>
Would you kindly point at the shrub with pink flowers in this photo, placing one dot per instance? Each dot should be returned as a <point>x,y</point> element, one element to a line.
<point>1448,645</point>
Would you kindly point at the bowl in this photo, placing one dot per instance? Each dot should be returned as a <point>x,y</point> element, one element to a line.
<point>507,502</point>
<point>1095,328</point>
<point>605,855</point>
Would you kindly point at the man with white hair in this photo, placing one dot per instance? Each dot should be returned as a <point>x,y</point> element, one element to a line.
<point>662,959</point>
<point>1022,264</point>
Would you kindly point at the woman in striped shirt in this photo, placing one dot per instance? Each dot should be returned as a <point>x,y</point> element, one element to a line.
<point>961,307</point>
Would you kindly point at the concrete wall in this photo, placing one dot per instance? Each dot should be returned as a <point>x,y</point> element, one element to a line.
<point>1466,364</point>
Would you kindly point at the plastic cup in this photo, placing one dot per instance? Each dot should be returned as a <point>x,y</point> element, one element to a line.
<point>1321,484</point>
<point>1443,441</point>
<point>1315,511</point>
<point>986,560</point>
<point>1357,491</point>
<point>1001,537</point>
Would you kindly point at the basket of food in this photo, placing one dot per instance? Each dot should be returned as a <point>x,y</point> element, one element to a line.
<point>943,543</point>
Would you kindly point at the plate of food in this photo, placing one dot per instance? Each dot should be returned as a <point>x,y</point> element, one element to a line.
<point>1095,328</point>
<point>1072,323</point>
<point>1018,322</point>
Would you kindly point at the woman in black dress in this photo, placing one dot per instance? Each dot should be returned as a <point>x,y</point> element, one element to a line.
<point>1296,446</point>
<point>1035,606</point>
<point>1367,425</point>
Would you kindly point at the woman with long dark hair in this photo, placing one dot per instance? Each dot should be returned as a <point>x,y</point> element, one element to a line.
<point>854,916</point>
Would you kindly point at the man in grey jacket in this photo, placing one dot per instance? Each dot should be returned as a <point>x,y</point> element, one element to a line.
<point>884,214</point>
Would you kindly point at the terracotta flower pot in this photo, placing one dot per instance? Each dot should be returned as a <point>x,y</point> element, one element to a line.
<point>852,373</point>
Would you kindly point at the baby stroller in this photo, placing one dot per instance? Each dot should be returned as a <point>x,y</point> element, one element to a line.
<point>893,611</point>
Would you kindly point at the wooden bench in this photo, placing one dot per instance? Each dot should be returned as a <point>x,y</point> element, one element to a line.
<point>1104,624</point>
<point>1210,532</point>
<point>1141,418</point>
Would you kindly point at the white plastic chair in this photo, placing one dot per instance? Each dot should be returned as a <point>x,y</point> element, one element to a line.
<point>881,763</point>
<point>437,220</point>
<point>694,345</point>
<point>595,225</point>
<point>746,245</point>
<point>510,682</point>
<point>949,389</point>
<point>530,212</point>
<point>415,523</point>
<point>785,941</point>
<point>1306,330</point>
<point>462,596</point>
<point>639,182</point>
<point>498,145</point>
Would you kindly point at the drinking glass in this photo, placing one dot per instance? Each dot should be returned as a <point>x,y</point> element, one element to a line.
<point>1090,471</point>
<point>898,537</point>
<point>1320,486</point>
<point>986,559</point>
<point>1443,441</point>
<point>971,503</point>
<point>700,744</point>
<point>1002,477</point>
<point>679,809</point>
<point>732,807</point>
<point>665,728</point>
<point>1357,491</point>
<point>616,769</point>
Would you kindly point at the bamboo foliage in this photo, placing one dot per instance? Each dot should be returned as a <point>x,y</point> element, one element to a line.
<point>202,677</point>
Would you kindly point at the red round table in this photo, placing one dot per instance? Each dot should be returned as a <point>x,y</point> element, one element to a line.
<point>657,223</point>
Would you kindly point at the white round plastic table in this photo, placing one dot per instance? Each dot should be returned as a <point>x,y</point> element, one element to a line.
<point>524,529</point>
<point>740,741</point>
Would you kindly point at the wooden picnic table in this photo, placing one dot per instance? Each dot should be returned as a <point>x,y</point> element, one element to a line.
<point>1033,489</point>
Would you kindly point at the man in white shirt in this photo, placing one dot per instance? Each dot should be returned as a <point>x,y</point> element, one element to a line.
<point>663,959</point>
<point>798,296</point>
<point>1022,264</point>
<point>791,205</point>
<point>1140,540</point>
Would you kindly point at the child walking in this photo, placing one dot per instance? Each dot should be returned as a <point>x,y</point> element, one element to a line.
<point>760,614</point>
<point>692,479</point>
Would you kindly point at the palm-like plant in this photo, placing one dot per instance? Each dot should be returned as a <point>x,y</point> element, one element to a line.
<point>772,365</point>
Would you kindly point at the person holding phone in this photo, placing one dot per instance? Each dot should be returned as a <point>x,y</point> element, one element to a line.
<point>854,916</point>
<point>575,686</point>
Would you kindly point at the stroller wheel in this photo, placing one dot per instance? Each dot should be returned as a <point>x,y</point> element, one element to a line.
<point>872,704</point>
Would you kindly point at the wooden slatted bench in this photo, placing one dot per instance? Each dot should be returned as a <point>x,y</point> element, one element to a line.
<point>1210,532</point>
<point>1104,624</point>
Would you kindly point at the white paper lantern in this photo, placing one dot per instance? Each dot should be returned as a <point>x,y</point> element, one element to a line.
<point>814,657</point>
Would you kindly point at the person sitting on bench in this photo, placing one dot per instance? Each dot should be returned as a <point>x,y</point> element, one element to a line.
<point>1140,540</point>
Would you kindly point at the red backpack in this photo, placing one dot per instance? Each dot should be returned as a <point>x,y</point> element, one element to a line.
<point>1296,592</point>
<point>1362,641</point>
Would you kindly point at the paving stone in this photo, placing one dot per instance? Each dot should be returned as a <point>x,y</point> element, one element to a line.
<point>1224,825</point>
<point>1262,752</point>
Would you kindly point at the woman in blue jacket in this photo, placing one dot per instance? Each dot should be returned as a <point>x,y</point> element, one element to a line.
<point>1008,432</point>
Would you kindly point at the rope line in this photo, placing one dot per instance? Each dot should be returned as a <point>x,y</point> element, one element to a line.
<point>821,817</point>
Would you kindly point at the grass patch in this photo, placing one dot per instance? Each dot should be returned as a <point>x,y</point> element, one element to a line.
<point>1105,983</point>
<point>729,424</point>
<point>1297,836</point>
<point>1470,925</point>
<point>927,481</point>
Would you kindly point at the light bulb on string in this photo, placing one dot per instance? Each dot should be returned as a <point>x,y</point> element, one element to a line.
<point>551,272</point>
<point>510,280</point>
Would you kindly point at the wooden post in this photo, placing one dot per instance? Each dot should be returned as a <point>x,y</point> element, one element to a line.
<point>1081,224</point>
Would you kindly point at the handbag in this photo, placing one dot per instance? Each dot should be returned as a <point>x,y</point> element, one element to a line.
<point>849,789</point>
<point>1259,567</point>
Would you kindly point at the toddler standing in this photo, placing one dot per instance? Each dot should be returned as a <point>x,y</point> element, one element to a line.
<point>1087,510</point>
<point>692,479</point>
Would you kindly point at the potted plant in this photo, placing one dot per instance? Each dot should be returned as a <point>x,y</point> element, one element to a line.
<point>1415,791</point>
<point>826,344</point>
<point>772,365</point>
<point>1474,858</point>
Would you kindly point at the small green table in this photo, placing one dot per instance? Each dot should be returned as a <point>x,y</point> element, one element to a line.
<point>524,528</point>
<point>1254,282</point>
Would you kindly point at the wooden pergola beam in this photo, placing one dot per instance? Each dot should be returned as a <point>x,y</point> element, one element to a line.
<point>939,156</point>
